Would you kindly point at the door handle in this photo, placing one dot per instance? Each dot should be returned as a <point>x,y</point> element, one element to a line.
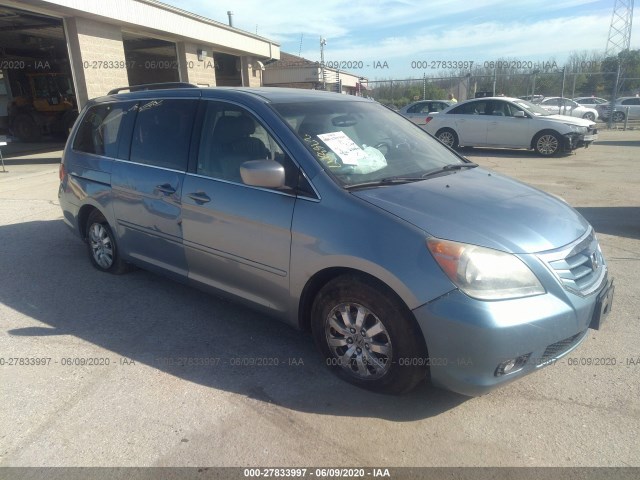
<point>199,197</point>
<point>166,188</point>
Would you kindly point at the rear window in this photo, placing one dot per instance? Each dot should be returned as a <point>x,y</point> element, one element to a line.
<point>99,129</point>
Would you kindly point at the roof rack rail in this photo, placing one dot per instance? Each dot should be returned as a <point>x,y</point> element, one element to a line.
<point>152,86</point>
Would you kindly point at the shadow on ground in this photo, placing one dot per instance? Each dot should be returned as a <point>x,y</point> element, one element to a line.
<point>32,161</point>
<point>618,143</point>
<point>471,152</point>
<point>149,319</point>
<point>13,151</point>
<point>619,221</point>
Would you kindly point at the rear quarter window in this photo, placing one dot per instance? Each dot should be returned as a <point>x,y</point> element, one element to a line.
<point>100,129</point>
<point>162,133</point>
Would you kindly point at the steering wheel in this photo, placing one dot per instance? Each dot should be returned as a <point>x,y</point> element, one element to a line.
<point>384,147</point>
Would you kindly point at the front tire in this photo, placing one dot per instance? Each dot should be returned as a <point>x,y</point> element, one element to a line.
<point>368,337</point>
<point>102,246</point>
<point>589,116</point>
<point>547,144</point>
<point>448,137</point>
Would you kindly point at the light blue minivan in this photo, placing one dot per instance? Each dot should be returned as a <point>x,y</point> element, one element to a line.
<point>337,215</point>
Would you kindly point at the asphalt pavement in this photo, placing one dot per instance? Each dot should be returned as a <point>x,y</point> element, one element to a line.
<point>137,370</point>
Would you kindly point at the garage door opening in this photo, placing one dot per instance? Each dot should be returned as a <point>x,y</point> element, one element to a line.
<point>228,70</point>
<point>150,60</point>
<point>37,97</point>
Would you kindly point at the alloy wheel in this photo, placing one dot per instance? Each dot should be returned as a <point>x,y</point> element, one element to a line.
<point>359,341</point>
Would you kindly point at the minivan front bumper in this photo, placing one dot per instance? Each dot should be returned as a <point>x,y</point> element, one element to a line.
<point>469,340</point>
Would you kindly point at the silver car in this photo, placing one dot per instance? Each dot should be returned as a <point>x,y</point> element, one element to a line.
<point>503,122</point>
<point>418,112</point>
<point>591,102</point>
<point>338,216</point>
<point>624,107</point>
<point>564,106</point>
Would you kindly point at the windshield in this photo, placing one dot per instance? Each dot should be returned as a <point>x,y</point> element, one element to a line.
<point>531,108</point>
<point>362,142</point>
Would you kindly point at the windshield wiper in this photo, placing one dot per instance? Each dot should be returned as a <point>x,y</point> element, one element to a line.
<point>385,181</point>
<point>400,180</point>
<point>447,168</point>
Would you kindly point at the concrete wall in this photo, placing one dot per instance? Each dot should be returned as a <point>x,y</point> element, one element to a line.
<point>91,42</point>
<point>251,72</point>
<point>156,17</point>
<point>192,70</point>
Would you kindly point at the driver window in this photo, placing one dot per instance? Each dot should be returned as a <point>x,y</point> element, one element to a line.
<point>231,136</point>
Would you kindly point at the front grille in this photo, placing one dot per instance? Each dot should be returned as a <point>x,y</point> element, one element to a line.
<point>581,267</point>
<point>556,349</point>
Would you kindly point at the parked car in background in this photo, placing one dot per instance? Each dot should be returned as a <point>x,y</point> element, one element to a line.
<point>532,98</point>
<point>330,212</point>
<point>417,112</point>
<point>590,102</point>
<point>564,106</point>
<point>510,123</point>
<point>621,107</point>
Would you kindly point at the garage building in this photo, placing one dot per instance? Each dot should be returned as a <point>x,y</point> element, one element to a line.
<point>57,54</point>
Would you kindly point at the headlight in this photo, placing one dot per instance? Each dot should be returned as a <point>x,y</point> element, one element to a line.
<point>576,128</point>
<point>484,273</point>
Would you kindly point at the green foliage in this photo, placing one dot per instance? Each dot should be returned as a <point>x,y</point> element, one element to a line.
<point>404,92</point>
<point>584,73</point>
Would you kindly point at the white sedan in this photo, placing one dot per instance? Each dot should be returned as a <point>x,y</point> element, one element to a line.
<point>564,106</point>
<point>591,102</point>
<point>509,123</point>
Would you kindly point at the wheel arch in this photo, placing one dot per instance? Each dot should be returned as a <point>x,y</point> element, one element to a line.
<point>83,217</point>
<point>323,277</point>
<point>541,132</point>
<point>456,138</point>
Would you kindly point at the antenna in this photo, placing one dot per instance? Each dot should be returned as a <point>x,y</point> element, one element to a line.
<point>300,49</point>
<point>619,38</point>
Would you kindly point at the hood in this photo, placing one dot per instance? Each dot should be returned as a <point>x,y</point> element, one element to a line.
<point>580,122</point>
<point>483,208</point>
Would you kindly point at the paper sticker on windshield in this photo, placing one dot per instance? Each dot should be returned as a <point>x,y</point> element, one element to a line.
<point>345,148</point>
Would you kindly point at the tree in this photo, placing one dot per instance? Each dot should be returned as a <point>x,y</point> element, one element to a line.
<point>629,72</point>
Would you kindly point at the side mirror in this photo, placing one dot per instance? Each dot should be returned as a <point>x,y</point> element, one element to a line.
<point>519,114</point>
<point>262,173</point>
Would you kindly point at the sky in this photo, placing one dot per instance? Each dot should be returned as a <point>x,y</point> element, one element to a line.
<point>400,39</point>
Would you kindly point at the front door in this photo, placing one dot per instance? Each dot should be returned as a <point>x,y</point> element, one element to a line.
<point>237,237</point>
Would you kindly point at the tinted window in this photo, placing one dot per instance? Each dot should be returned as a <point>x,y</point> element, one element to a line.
<point>471,108</point>
<point>99,129</point>
<point>231,136</point>
<point>162,133</point>
<point>631,101</point>
<point>417,108</point>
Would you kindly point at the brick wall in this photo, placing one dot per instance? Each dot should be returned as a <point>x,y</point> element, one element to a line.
<point>93,42</point>
<point>252,76</point>
<point>193,70</point>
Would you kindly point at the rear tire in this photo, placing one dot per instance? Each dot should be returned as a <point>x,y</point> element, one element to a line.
<point>102,246</point>
<point>618,117</point>
<point>448,137</point>
<point>589,116</point>
<point>368,337</point>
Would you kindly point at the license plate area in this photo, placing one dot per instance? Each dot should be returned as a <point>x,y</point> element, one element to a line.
<point>603,307</point>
